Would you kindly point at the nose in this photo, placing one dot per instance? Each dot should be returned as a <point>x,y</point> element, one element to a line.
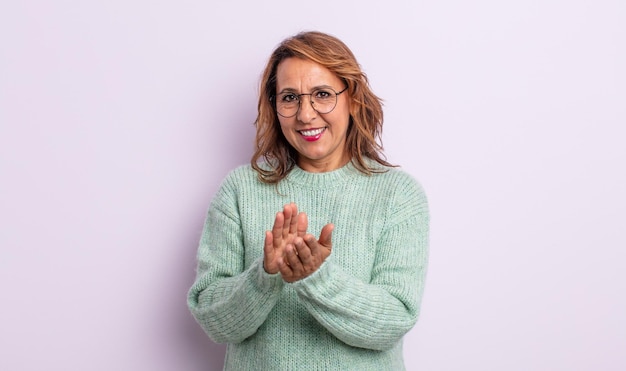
<point>306,112</point>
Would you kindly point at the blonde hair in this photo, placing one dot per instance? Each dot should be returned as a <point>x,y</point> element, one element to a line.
<point>366,114</point>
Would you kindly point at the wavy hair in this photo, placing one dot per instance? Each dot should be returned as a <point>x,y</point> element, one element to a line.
<point>366,113</point>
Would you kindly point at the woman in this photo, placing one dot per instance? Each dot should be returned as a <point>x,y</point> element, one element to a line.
<point>282,296</point>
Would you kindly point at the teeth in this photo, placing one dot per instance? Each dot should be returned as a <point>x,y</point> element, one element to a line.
<point>311,133</point>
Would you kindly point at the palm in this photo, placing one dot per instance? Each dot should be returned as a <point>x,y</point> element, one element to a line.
<point>288,225</point>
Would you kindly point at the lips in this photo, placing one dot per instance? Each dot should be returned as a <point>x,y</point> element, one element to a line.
<point>312,134</point>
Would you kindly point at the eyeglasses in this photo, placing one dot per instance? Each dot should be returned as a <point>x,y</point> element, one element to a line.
<point>323,100</point>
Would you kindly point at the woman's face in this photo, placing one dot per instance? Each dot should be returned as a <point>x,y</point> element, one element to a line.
<point>319,139</point>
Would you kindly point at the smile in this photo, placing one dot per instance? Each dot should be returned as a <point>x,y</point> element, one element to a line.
<point>312,135</point>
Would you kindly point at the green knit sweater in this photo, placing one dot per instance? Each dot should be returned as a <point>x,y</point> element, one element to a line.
<point>352,313</point>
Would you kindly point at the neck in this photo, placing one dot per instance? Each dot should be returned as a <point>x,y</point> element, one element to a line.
<point>323,166</point>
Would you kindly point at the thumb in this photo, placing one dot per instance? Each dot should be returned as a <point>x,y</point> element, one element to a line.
<point>326,236</point>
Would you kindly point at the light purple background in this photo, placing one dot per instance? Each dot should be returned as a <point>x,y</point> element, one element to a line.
<point>118,120</point>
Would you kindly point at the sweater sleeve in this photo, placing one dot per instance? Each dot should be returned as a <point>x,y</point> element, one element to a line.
<point>228,301</point>
<point>376,314</point>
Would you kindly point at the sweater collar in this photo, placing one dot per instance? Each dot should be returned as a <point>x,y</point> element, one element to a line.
<point>325,180</point>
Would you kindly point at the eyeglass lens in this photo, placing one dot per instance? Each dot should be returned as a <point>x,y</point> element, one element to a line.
<point>322,100</point>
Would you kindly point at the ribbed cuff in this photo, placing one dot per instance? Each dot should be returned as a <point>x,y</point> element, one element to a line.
<point>265,281</point>
<point>316,281</point>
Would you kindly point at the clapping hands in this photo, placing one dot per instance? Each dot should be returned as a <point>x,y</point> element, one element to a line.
<point>290,250</point>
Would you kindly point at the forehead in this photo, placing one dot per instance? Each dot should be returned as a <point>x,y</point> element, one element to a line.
<point>303,75</point>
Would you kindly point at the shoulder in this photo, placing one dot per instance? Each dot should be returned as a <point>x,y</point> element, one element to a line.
<point>245,170</point>
<point>239,182</point>
<point>242,175</point>
<point>244,179</point>
<point>403,190</point>
<point>397,178</point>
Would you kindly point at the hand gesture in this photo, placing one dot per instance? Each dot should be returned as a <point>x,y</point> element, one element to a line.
<point>306,254</point>
<point>288,225</point>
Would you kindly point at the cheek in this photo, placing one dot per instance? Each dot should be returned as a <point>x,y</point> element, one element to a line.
<point>343,120</point>
<point>345,114</point>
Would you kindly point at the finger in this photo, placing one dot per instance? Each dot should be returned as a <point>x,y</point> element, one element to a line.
<point>325,240</point>
<point>312,244</point>
<point>286,220</point>
<point>277,229</point>
<point>293,223</point>
<point>269,254</point>
<point>285,269</point>
<point>268,247</point>
<point>326,235</point>
<point>303,251</point>
<point>303,224</point>
<point>292,259</point>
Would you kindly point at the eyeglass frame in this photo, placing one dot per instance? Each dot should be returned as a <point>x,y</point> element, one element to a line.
<point>273,99</point>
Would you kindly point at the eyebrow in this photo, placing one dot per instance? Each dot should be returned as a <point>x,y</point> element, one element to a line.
<point>292,90</point>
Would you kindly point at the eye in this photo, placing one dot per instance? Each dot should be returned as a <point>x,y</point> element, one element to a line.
<point>323,94</point>
<point>288,98</point>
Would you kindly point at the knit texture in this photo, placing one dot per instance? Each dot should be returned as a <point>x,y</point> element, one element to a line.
<point>352,313</point>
